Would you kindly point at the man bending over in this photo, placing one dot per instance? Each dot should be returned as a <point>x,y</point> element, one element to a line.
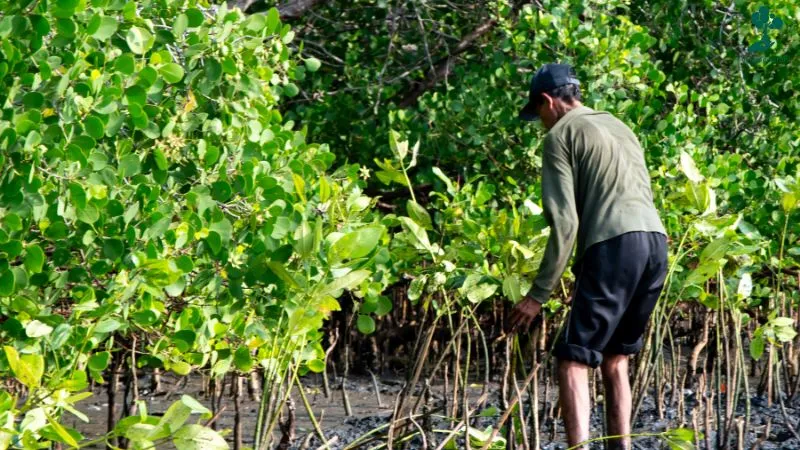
<point>596,191</point>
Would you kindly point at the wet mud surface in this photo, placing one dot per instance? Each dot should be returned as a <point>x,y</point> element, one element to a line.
<point>367,415</point>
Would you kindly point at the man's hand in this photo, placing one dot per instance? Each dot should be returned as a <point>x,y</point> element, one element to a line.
<point>523,314</point>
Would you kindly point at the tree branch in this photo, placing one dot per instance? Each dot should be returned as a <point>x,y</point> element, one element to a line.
<point>444,66</point>
<point>241,4</point>
<point>290,10</point>
<point>295,9</point>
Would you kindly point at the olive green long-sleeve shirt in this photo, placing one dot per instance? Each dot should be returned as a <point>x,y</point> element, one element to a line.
<point>595,186</point>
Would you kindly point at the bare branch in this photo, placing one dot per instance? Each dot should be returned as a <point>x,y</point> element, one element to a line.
<point>444,66</point>
<point>290,10</point>
<point>295,9</point>
<point>241,4</point>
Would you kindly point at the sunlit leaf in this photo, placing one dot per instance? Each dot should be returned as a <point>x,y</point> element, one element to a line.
<point>689,168</point>
<point>348,281</point>
<point>139,40</point>
<point>198,437</point>
<point>36,329</point>
<point>357,243</point>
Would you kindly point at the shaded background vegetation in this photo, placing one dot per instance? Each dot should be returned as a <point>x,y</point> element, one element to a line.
<point>216,185</point>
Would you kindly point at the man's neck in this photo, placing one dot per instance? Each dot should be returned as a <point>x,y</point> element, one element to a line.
<point>563,108</point>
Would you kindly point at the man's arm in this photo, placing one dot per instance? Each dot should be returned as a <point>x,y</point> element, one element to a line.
<point>558,201</point>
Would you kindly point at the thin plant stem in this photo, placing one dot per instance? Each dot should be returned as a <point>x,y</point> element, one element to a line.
<point>310,411</point>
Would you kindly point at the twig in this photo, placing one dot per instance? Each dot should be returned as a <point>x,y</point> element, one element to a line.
<point>311,417</point>
<point>377,389</point>
<point>757,444</point>
<point>444,67</point>
<point>510,408</point>
<point>216,416</point>
<point>325,383</point>
<point>325,444</point>
<point>421,432</point>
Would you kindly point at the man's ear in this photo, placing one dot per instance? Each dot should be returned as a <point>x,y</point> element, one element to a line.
<point>547,101</point>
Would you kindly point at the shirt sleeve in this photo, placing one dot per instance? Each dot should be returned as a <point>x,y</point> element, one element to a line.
<point>558,202</point>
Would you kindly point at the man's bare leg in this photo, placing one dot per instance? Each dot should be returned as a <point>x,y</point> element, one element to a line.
<point>618,399</point>
<point>573,394</point>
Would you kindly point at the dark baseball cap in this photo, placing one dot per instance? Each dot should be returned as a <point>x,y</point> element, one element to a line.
<point>547,78</point>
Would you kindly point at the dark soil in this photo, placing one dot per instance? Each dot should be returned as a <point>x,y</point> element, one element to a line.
<point>367,415</point>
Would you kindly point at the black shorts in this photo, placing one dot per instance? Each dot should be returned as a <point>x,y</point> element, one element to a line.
<point>618,284</point>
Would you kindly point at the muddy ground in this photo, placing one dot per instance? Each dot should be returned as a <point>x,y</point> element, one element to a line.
<point>367,415</point>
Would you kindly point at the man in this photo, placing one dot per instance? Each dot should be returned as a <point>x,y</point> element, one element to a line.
<point>596,191</point>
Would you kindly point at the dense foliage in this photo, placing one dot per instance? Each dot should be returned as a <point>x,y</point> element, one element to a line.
<point>709,90</point>
<point>164,205</point>
<point>158,211</point>
<point>688,78</point>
